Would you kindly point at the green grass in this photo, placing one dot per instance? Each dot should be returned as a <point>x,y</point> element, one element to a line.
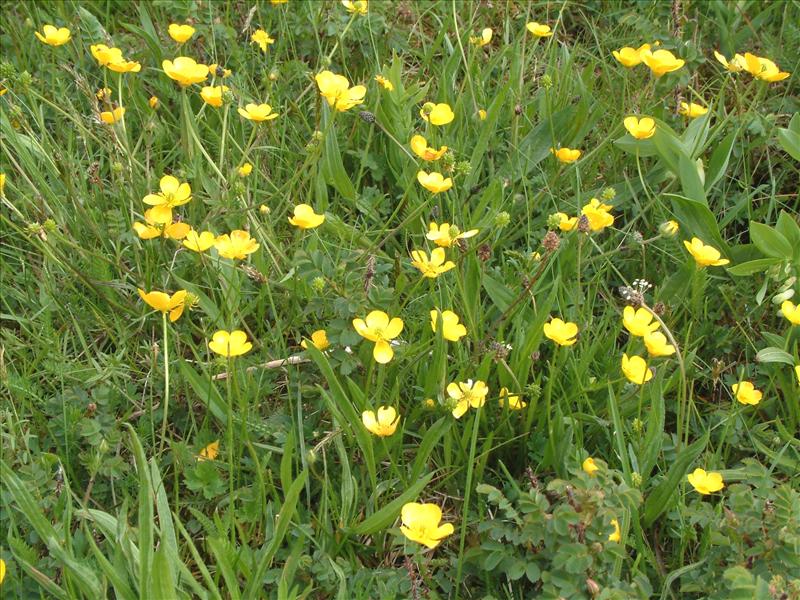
<point>302,501</point>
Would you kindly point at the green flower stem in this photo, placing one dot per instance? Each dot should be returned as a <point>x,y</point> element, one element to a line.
<point>231,457</point>
<point>166,382</point>
<point>467,494</point>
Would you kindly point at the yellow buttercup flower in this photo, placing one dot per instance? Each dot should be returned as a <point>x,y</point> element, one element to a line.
<point>435,266</point>
<point>539,30</point>
<point>615,536</point>
<point>213,94</point>
<point>566,222</point>
<point>2,570</point>
<point>319,339</point>
<point>382,424</point>
<point>630,57</point>
<point>437,114</point>
<point>561,332</point>
<point>258,112</point>
<point>692,110</point>
<point>165,303</point>
<point>109,117</point>
<point>734,65</point>
<point>236,245</point>
<point>482,114</point>
<point>173,193</point>
<point>661,62</point>
<point>245,169</point>
<point>230,344</point>
<point>2,184</point>
<point>337,91</point>
<point>420,147</point>
<point>434,182</point>
<point>597,214</point>
<point>385,83</point>
<point>210,452</point>
<point>639,321</point>
<point>703,255</point>
<point>305,217</point>
<point>636,370</point>
<point>446,235</point>
<point>180,33</point>
<point>746,392</point>
<point>153,102</point>
<point>218,70</point>
<point>199,242</point>
<point>452,330</point>
<point>261,38</point>
<point>466,394</point>
<point>511,400</point>
<point>705,483</point>
<point>185,70</point>
<point>590,467</point>
<point>791,311</point>
<point>53,36</point>
<point>797,373</point>
<point>566,155</point>
<point>358,7</point>
<point>763,68</point>
<point>484,39</point>
<point>641,129</point>
<point>158,223</point>
<point>379,328</point>
<point>124,66</point>
<point>421,524</point>
<point>656,344</point>
<point>105,55</point>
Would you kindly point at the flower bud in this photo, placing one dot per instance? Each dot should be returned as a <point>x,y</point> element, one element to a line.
<point>318,284</point>
<point>668,228</point>
<point>273,75</point>
<point>502,219</point>
<point>154,102</point>
<point>546,81</point>
<point>428,107</point>
<point>553,221</point>
<point>608,194</point>
<point>263,209</point>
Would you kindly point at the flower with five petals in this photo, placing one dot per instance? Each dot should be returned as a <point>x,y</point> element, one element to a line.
<point>379,328</point>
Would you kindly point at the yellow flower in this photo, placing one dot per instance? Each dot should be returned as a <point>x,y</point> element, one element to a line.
<point>277,2</point>
<point>539,30</point>
<point>305,217</point>
<point>590,467</point>
<point>319,339</point>
<point>199,242</point>
<point>435,266</point>
<point>3,90</point>
<point>382,424</point>
<point>230,344</point>
<point>669,228</point>
<point>656,344</point>
<point>566,155</point>
<point>105,55</point>
<point>185,70</point>
<point>174,304</point>
<point>434,182</point>
<point>736,64</point>
<point>466,394</point>
<point>445,235</point>
<point>561,332</point>
<point>210,452</point>
<point>125,66</point>
<point>245,169</point>
<point>421,524</point>
<point>212,94</point>
<point>566,223</point>
<point>482,114</point>
<point>705,483</point>
<point>358,7</point>
<point>797,373</point>
<point>452,330</point>
<point>420,147</point>
<point>237,245</point>
<point>385,83</point>
<point>180,33</point>
<point>639,322</point>
<point>615,536</point>
<point>380,329</point>
<point>704,256</point>
<point>437,114</point>
<point>642,128</point>
<point>173,193</point>
<point>2,570</point>
<point>483,39</point>
<point>636,370</point>
<point>109,117</point>
<point>791,311</point>
<point>512,400</point>
<point>158,223</point>
<point>746,393</point>
<point>153,102</point>
<point>337,91</point>
<point>258,112</point>
<point>661,61</point>
<point>692,110</point>
<point>218,70</point>
<point>763,68</point>
<point>597,214</point>
<point>2,184</point>
<point>261,38</point>
<point>53,36</point>
<point>630,57</point>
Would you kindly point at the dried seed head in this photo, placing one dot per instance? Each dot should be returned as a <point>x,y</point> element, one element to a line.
<point>484,252</point>
<point>367,116</point>
<point>583,224</point>
<point>551,241</point>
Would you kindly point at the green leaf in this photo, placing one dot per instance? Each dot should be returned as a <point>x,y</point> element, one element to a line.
<point>691,181</point>
<point>753,266</point>
<point>332,165</point>
<point>145,514</point>
<point>206,391</point>
<point>789,139</point>
<point>384,517</point>
<point>770,241</point>
<point>162,581</point>
<point>774,355</point>
<point>718,163</point>
<point>698,220</point>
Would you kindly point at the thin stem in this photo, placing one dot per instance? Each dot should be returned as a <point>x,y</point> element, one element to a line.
<point>166,382</point>
<point>467,494</point>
